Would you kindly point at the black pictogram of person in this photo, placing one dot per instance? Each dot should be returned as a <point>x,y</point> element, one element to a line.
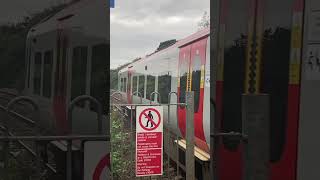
<point>318,63</point>
<point>310,60</point>
<point>151,117</point>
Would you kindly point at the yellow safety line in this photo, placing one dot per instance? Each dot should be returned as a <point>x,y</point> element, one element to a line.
<point>199,153</point>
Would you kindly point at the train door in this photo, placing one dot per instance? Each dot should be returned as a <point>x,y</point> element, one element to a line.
<point>60,83</point>
<point>309,145</point>
<point>259,43</point>
<point>191,70</point>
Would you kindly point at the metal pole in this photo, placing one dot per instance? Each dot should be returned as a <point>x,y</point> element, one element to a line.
<point>255,124</point>
<point>190,164</point>
<point>168,131</point>
<point>69,142</point>
<point>131,138</point>
<point>69,160</point>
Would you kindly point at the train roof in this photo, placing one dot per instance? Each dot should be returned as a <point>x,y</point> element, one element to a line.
<point>180,43</point>
<point>87,16</point>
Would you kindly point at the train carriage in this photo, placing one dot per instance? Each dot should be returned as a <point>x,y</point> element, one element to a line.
<point>181,67</point>
<point>68,56</point>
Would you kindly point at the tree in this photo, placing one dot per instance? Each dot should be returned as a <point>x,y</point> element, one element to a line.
<point>205,21</point>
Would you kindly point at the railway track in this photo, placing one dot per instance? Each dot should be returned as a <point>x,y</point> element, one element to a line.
<point>20,123</point>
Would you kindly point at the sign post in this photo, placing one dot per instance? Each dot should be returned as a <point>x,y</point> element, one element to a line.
<point>149,141</point>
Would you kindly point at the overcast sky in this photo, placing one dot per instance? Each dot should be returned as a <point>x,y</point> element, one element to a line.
<point>138,26</point>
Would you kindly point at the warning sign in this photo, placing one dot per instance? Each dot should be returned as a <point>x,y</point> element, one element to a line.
<point>97,160</point>
<point>312,63</point>
<point>149,141</point>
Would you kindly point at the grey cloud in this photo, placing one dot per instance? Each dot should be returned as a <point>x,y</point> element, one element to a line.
<point>137,27</point>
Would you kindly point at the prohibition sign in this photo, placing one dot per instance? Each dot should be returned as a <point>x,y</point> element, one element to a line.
<point>143,114</point>
<point>103,163</point>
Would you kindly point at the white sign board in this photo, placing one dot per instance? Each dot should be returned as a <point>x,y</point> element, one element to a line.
<point>314,26</point>
<point>149,141</point>
<point>97,160</point>
<point>312,59</point>
<point>312,62</point>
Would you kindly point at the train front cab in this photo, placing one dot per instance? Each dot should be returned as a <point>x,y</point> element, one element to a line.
<point>284,52</point>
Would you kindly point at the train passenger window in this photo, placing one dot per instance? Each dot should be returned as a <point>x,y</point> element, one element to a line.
<point>134,84</point>
<point>184,70</point>
<point>120,86</point>
<point>124,84</point>
<point>79,72</point>
<point>151,82</point>
<point>275,71</point>
<point>99,74</point>
<point>196,78</point>
<point>47,73</point>
<point>37,73</point>
<point>141,85</point>
<point>164,87</point>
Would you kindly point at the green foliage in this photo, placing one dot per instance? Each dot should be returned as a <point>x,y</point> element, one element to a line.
<point>12,48</point>
<point>122,167</point>
<point>205,21</point>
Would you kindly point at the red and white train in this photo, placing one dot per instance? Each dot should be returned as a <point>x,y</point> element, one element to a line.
<point>288,69</point>
<point>67,55</point>
<point>184,66</point>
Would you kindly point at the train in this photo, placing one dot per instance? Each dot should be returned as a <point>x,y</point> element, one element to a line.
<point>286,52</point>
<point>67,55</point>
<point>181,67</point>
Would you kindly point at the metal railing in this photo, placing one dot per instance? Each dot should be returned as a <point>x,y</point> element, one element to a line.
<point>10,137</point>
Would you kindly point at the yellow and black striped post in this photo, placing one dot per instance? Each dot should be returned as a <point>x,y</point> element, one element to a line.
<point>254,49</point>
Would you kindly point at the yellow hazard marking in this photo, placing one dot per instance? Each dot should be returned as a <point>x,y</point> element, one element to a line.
<point>294,73</point>
<point>248,63</point>
<point>296,43</point>
<point>189,80</point>
<point>296,37</point>
<point>202,77</point>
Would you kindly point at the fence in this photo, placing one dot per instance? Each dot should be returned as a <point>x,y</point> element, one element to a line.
<point>36,145</point>
<point>172,136</point>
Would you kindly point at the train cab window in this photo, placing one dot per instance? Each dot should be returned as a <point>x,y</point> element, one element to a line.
<point>37,73</point>
<point>134,84</point>
<point>141,85</point>
<point>99,74</point>
<point>183,73</point>
<point>196,79</point>
<point>47,74</point>
<point>79,71</point>
<point>151,82</point>
<point>164,87</point>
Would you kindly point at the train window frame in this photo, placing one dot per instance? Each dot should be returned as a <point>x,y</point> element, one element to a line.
<point>134,84</point>
<point>79,70</point>
<point>37,73</point>
<point>124,84</point>
<point>185,63</point>
<point>151,85</point>
<point>141,85</point>
<point>47,74</point>
<point>196,89</point>
<point>98,73</point>
<point>166,78</point>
